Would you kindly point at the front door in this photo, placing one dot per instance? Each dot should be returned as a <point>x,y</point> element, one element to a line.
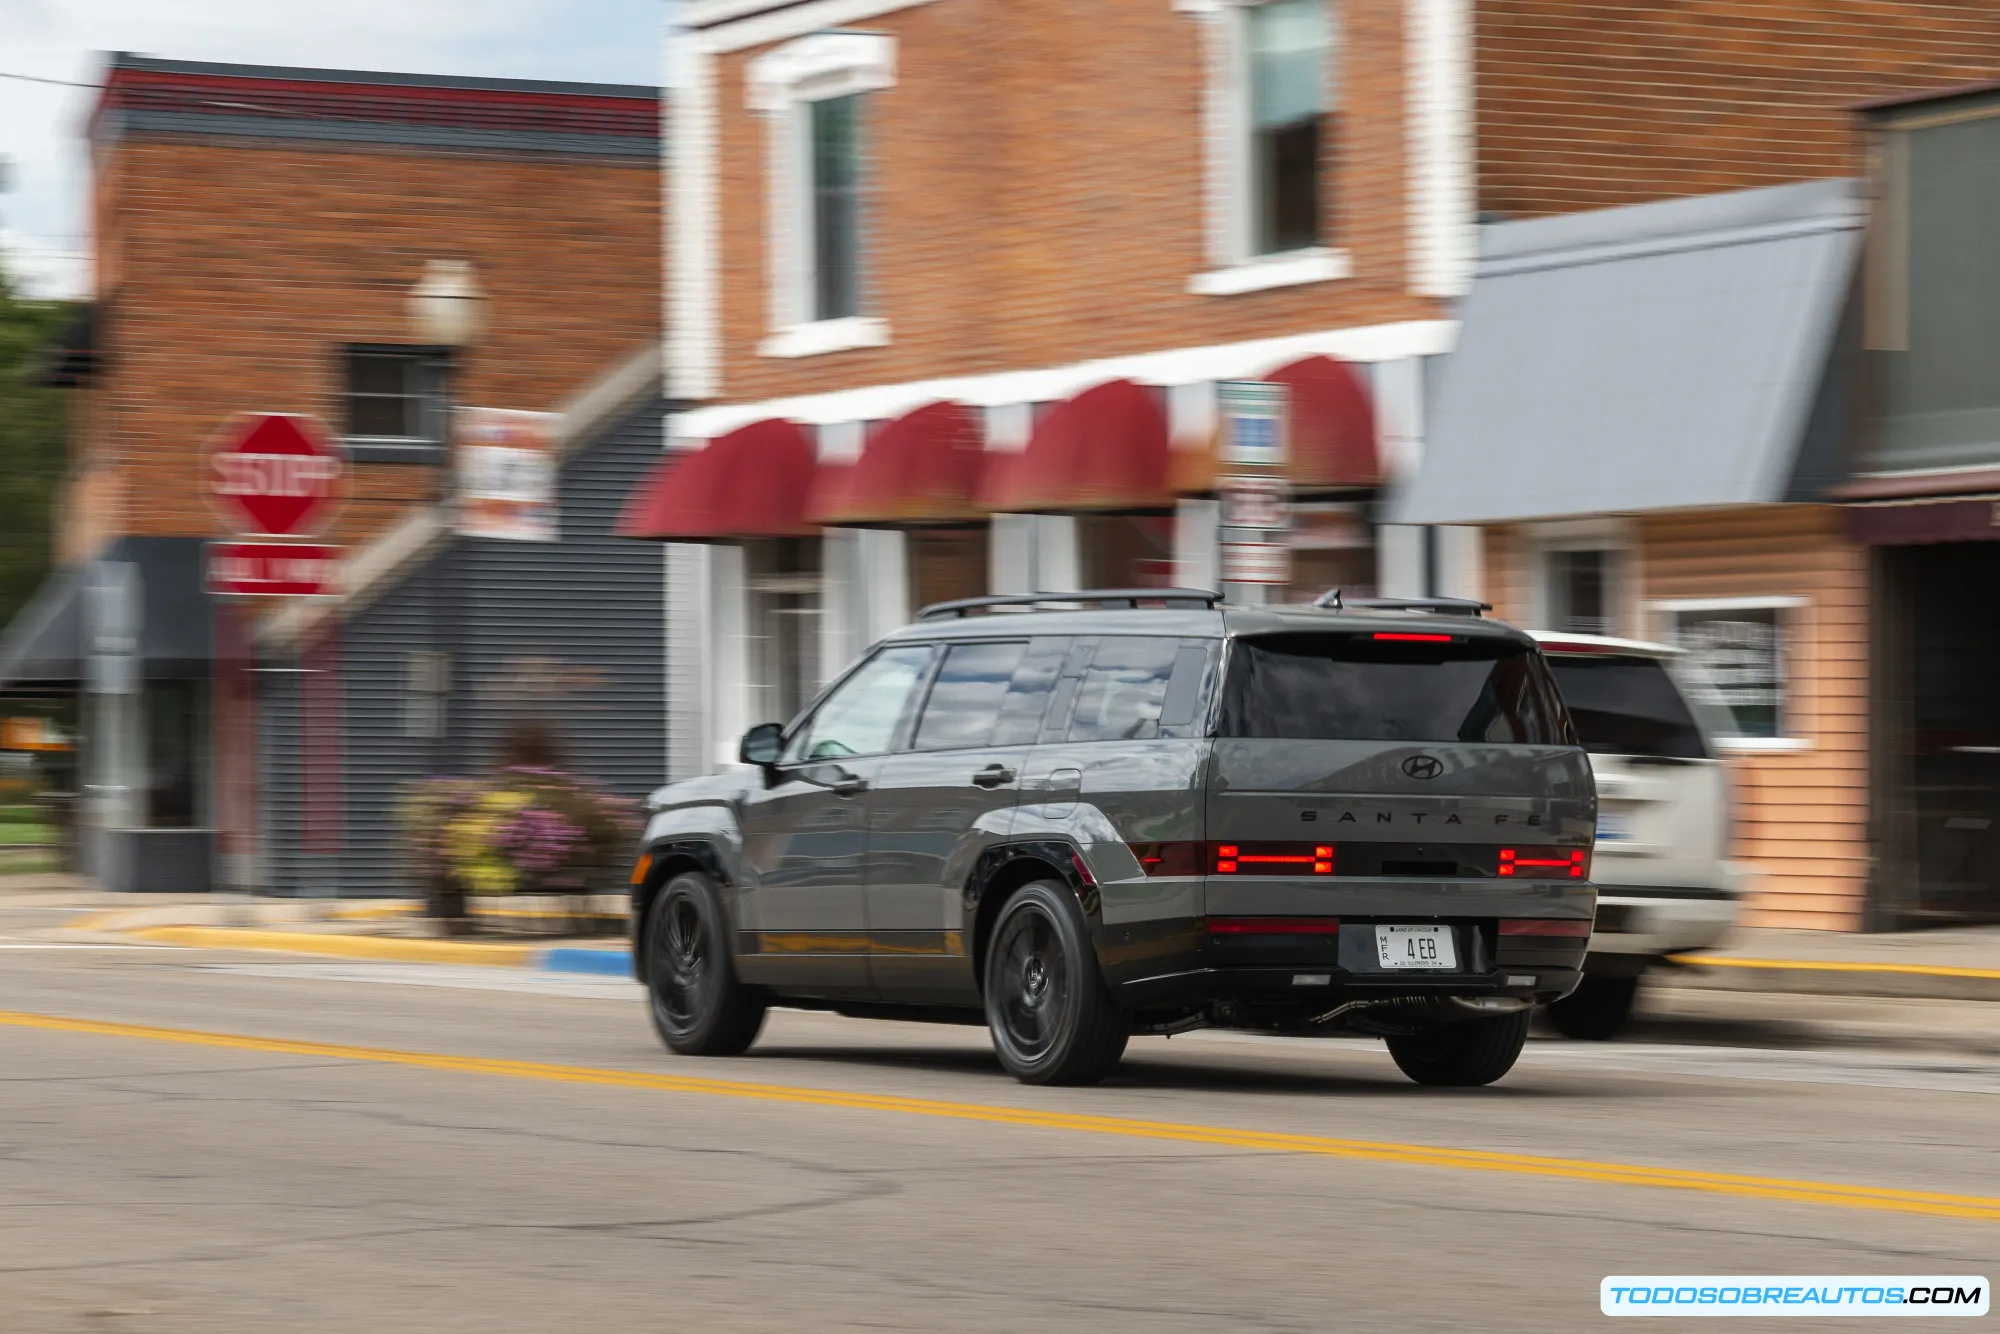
<point>944,802</point>
<point>805,832</point>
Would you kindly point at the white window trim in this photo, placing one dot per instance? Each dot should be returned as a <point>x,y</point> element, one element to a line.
<point>782,85</point>
<point>1793,742</point>
<point>1235,267</point>
<point>1602,534</point>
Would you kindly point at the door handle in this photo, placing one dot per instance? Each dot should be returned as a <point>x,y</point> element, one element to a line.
<point>849,785</point>
<point>993,775</point>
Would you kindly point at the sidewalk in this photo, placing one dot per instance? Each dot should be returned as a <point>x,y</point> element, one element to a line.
<point>1957,963</point>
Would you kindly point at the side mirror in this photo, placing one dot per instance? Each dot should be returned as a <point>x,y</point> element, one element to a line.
<point>762,744</point>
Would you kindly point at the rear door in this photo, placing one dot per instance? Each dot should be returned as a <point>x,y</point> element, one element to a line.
<point>1662,815</point>
<point>1386,754</point>
<point>943,802</point>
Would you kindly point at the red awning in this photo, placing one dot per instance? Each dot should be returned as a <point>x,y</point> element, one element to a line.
<point>752,482</point>
<point>1105,449</point>
<point>1333,426</point>
<point>922,468</point>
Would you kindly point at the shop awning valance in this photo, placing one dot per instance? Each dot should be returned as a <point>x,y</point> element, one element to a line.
<point>923,468</point>
<point>1105,449</point>
<point>753,482</point>
<point>1332,437</point>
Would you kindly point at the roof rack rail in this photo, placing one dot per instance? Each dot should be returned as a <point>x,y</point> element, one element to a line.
<point>1103,597</point>
<point>1332,600</point>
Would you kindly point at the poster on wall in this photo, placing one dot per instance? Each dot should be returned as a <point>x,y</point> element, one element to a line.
<point>507,475</point>
<point>1736,657</point>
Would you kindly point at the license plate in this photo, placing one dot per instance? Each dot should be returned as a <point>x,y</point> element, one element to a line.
<point>1613,827</point>
<point>1421,948</point>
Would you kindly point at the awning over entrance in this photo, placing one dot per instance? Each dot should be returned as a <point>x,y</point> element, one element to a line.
<point>1105,449</point>
<point>1332,426</point>
<point>43,649</point>
<point>1662,356</point>
<point>753,482</point>
<point>48,647</point>
<point>923,468</point>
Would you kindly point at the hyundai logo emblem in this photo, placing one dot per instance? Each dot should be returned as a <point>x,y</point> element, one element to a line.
<point>1423,766</point>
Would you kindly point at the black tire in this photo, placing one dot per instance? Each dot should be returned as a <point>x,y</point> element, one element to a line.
<point>1464,1053</point>
<point>697,1004</point>
<point>1597,1010</point>
<point>1052,1019</point>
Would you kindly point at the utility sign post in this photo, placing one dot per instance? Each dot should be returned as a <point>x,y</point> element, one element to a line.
<point>1255,488</point>
<point>275,478</point>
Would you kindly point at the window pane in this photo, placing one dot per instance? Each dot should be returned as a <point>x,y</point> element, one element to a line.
<point>1123,690</point>
<point>836,207</point>
<point>1288,202</point>
<point>861,717</point>
<point>1291,96</point>
<point>381,416</point>
<point>374,374</point>
<point>1736,655</point>
<point>1580,588</point>
<point>1351,688</point>
<point>1627,706</point>
<point>964,706</point>
<point>1027,701</point>
<point>383,395</point>
<point>171,732</point>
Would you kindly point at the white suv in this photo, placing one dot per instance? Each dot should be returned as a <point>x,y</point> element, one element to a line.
<point>1665,884</point>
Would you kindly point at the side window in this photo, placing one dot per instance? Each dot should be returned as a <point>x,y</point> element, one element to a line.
<point>1028,698</point>
<point>966,699</point>
<point>861,717</point>
<point>1124,690</point>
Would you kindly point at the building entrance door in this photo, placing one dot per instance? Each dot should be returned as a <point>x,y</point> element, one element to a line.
<point>1938,705</point>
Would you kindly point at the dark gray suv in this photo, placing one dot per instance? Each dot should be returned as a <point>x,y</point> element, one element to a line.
<point>1141,812</point>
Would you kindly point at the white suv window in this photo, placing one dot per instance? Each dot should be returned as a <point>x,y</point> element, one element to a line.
<point>1627,705</point>
<point>861,717</point>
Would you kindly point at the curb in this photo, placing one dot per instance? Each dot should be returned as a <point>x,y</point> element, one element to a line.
<point>1896,981</point>
<point>554,959</point>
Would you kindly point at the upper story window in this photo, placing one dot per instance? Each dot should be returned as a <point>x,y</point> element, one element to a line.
<point>393,402</point>
<point>817,93</point>
<point>1270,115</point>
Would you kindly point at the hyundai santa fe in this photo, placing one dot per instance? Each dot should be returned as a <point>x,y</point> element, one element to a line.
<point>1141,812</point>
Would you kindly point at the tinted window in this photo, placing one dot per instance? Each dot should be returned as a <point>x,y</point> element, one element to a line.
<point>1021,712</point>
<point>965,701</point>
<point>1356,688</point>
<point>860,718</point>
<point>1123,689</point>
<point>1628,706</point>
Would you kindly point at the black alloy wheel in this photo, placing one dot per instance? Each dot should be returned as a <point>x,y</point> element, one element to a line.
<point>1462,1053</point>
<point>698,1006</point>
<point>1052,1019</point>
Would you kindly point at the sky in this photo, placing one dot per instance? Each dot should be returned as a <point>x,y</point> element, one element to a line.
<point>44,169</point>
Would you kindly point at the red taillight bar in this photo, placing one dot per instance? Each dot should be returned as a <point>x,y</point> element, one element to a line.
<point>1542,926</point>
<point>1273,926</point>
<point>1406,638</point>
<point>1545,863</point>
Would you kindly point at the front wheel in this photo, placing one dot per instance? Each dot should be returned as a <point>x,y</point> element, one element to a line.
<point>1052,1019</point>
<point>1598,1009</point>
<point>698,1005</point>
<point>1464,1053</point>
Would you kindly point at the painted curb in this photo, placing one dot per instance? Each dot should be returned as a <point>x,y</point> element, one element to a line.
<point>343,947</point>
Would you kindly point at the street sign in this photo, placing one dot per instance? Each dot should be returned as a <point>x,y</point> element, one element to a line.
<point>507,475</point>
<point>1253,422</point>
<point>272,569</point>
<point>275,475</point>
<point>1254,502</point>
<point>1256,563</point>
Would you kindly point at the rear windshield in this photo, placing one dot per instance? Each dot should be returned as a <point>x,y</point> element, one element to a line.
<point>1628,706</point>
<point>1358,688</point>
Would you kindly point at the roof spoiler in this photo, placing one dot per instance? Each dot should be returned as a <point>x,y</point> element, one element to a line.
<point>1333,601</point>
<point>1101,597</point>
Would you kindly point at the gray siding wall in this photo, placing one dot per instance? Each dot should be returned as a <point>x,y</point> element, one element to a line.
<point>571,632</point>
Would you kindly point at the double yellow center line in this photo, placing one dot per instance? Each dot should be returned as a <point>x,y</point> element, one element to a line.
<point>1882,1198</point>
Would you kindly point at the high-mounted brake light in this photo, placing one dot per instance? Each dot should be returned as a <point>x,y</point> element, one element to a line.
<point>1407,638</point>
<point>1545,863</point>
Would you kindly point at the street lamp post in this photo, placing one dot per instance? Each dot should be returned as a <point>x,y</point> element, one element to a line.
<point>447,311</point>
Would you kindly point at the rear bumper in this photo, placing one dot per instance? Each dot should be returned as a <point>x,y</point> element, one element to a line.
<point>1306,988</point>
<point>1655,921</point>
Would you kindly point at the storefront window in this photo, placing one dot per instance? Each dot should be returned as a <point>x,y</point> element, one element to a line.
<point>1126,550</point>
<point>947,564</point>
<point>173,731</point>
<point>1738,661</point>
<point>1332,547</point>
<point>784,609</point>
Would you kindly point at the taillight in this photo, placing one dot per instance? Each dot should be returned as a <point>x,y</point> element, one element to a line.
<point>1545,863</point>
<point>1263,858</point>
<point>1542,926</point>
<point>1274,926</point>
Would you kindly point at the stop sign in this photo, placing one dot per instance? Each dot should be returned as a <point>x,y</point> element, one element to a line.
<point>274,474</point>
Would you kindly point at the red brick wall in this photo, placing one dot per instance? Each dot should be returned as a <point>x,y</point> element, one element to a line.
<point>233,272</point>
<point>1589,105</point>
<point>1037,195</point>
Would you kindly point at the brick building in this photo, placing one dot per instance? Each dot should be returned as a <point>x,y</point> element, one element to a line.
<point>969,272</point>
<point>258,233</point>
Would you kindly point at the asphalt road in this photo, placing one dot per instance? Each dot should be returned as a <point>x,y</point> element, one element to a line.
<point>204,1142</point>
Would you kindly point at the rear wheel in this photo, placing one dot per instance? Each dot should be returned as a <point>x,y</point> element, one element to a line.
<point>1464,1053</point>
<point>1599,1008</point>
<point>1053,1021</point>
<point>698,1005</point>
